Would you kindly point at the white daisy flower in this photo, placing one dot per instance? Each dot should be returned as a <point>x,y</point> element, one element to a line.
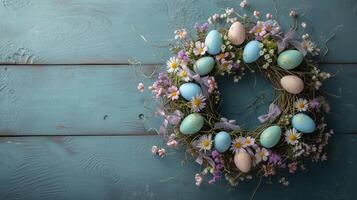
<point>200,48</point>
<point>249,141</point>
<point>261,155</point>
<point>292,136</point>
<point>173,64</point>
<point>204,143</point>
<point>198,103</point>
<point>237,144</point>
<point>141,87</point>
<point>301,104</point>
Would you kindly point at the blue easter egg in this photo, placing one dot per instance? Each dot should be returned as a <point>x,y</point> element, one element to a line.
<point>190,90</point>
<point>270,136</point>
<point>290,59</point>
<point>222,141</point>
<point>191,124</point>
<point>303,123</point>
<point>251,51</point>
<point>213,42</point>
<point>204,65</point>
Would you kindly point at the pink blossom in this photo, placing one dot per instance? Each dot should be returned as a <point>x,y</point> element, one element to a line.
<point>172,143</point>
<point>256,14</point>
<point>212,85</point>
<point>198,179</point>
<point>293,13</point>
<point>173,93</point>
<point>141,87</point>
<point>292,167</point>
<point>243,4</point>
<point>161,152</point>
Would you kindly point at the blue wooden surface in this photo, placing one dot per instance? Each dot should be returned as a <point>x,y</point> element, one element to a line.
<point>100,31</point>
<point>123,168</point>
<point>73,131</point>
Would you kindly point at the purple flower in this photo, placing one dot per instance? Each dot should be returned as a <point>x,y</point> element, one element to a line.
<point>201,28</point>
<point>160,85</point>
<point>314,104</point>
<point>182,55</point>
<point>219,166</point>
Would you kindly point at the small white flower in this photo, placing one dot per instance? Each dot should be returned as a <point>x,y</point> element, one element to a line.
<point>204,143</point>
<point>261,45</point>
<point>271,51</point>
<point>292,136</point>
<point>301,104</point>
<point>269,16</point>
<point>237,144</point>
<point>141,87</point>
<point>261,52</point>
<point>266,56</point>
<point>293,13</point>
<point>198,103</point>
<point>261,155</point>
<point>256,14</point>
<point>270,60</point>
<point>173,64</point>
<point>229,11</point>
<point>249,141</point>
<point>303,24</point>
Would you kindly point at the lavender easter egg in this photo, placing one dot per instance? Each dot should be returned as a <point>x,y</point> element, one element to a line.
<point>191,124</point>
<point>303,123</point>
<point>270,136</point>
<point>292,84</point>
<point>243,161</point>
<point>251,51</point>
<point>290,59</point>
<point>222,141</point>
<point>213,42</point>
<point>236,33</point>
<point>190,90</point>
<point>204,65</point>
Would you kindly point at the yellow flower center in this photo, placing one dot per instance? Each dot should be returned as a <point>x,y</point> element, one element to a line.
<point>292,137</point>
<point>237,145</point>
<point>205,143</point>
<point>174,65</point>
<point>301,105</point>
<point>261,154</point>
<point>196,102</point>
<point>174,93</point>
<point>220,56</point>
<point>183,73</point>
<point>200,50</point>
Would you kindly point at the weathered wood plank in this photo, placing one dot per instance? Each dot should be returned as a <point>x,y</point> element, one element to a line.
<point>123,168</point>
<point>97,31</point>
<point>103,99</point>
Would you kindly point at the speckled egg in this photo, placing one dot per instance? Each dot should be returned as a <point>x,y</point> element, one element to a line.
<point>204,65</point>
<point>236,33</point>
<point>292,84</point>
<point>243,161</point>
<point>190,90</point>
<point>290,59</point>
<point>270,136</point>
<point>191,124</point>
<point>213,42</point>
<point>251,51</point>
<point>222,141</point>
<point>303,123</point>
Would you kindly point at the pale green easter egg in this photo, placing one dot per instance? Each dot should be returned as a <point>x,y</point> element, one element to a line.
<point>290,59</point>
<point>204,65</point>
<point>270,136</point>
<point>191,124</point>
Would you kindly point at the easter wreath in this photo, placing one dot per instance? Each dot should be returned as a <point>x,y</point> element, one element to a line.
<point>292,132</point>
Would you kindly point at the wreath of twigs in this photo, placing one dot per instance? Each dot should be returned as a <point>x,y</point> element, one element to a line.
<point>239,154</point>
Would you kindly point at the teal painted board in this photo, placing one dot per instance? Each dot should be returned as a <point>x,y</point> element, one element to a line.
<point>72,100</point>
<point>122,167</point>
<point>101,31</point>
<point>103,99</point>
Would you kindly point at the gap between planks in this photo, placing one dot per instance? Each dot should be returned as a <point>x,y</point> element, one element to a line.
<point>126,64</point>
<point>124,135</point>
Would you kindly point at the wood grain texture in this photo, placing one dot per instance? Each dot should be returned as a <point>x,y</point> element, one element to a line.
<point>101,31</point>
<point>103,99</point>
<point>121,167</point>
